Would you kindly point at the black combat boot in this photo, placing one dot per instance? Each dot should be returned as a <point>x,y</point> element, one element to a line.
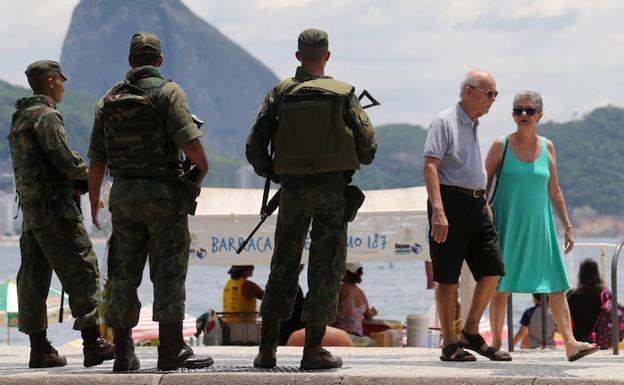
<point>314,356</point>
<point>95,348</point>
<point>125,359</point>
<point>269,334</point>
<point>174,353</point>
<point>42,354</point>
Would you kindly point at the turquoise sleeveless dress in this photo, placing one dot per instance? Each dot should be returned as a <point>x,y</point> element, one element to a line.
<point>524,219</point>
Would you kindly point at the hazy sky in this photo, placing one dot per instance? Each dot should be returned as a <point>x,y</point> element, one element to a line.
<point>411,55</point>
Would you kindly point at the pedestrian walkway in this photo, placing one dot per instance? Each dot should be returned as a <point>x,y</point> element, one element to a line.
<point>362,366</point>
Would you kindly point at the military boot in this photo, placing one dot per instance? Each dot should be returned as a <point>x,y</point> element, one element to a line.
<point>314,356</point>
<point>42,354</point>
<point>174,353</point>
<point>125,359</point>
<point>269,333</point>
<point>95,348</point>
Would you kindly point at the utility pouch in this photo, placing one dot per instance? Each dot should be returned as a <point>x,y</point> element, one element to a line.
<point>354,200</point>
<point>187,196</point>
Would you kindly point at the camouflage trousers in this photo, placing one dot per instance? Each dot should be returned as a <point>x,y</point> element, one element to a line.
<point>64,246</point>
<point>142,229</point>
<point>321,201</point>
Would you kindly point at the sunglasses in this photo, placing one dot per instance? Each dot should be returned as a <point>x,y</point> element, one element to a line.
<point>529,111</point>
<point>489,93</point>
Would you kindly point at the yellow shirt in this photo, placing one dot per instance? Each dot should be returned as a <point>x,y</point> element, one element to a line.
<point>234,301</point>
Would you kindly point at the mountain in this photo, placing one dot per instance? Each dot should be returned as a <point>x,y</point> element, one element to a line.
<point>590,159</point>
<point>77,109</point>
<point>399,159</point>
<point>224,83</point>
<point>589,152</point>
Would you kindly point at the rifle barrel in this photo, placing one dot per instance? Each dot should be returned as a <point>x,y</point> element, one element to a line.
<point>242,246</point>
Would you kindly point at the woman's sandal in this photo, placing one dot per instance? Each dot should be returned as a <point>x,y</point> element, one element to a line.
<point>476,341</point>
<point>590,348</point>
<point>452,352</point>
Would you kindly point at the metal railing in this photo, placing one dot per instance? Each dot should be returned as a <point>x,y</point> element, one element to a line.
<point>614,298</point>
<point>615,324</point>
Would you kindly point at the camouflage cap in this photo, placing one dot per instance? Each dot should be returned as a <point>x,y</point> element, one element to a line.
<point>144,42</point>
<point>41,67</point>
<point>313,37</point>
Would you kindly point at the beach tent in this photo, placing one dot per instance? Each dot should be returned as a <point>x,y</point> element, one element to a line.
<point>390,226</point>
<point>9,312</point>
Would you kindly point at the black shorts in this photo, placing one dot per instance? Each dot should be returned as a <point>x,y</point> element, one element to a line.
<point>471,237</point>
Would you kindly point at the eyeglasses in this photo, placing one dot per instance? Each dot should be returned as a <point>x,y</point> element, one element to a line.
<point>529,111</point>
<point>489,93</point>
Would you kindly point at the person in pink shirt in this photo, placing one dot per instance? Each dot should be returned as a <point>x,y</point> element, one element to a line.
<point>353,305</point>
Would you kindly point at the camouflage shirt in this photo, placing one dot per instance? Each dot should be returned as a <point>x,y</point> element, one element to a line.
<point>45,167</point>
<point>171,104</point>
<point>266,123</point>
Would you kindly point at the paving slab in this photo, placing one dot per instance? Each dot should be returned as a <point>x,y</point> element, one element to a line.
<point>362,366</point>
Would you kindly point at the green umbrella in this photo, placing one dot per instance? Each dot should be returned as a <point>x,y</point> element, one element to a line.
<point>8,306</point>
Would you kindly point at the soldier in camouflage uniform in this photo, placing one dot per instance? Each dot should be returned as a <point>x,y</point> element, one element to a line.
<point>49,176</point>
<point>142,125</point>
<point>320,134</point>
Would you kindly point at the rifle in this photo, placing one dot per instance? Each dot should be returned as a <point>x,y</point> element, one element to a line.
<point>269,207</point>
<point>265,212</point>
<point>187,164</point>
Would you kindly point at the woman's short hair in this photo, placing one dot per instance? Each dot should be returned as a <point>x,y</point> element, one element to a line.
<point>533,96</point>
<point>589,276</point>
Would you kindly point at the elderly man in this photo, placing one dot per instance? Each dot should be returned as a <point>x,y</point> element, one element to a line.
<point>461,227</point>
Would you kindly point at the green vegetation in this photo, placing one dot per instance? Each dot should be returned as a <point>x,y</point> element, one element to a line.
<point>77,109</point>
<point>590,159</point>
<point>399,158</point>
<point>589,151</point>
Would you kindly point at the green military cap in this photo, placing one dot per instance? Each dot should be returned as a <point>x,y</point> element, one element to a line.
<point>313,37</point>
<point>41,67</point>
<point>144,42</point>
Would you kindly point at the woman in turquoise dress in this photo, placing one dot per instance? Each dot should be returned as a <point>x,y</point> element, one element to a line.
<point>526,193</point>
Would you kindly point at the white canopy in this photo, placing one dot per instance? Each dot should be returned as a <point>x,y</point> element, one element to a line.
<point>390,226</point>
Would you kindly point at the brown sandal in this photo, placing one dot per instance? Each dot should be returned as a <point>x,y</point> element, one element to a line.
<point>452,353</point>
<point>591,348</point>
<point>476,341</point>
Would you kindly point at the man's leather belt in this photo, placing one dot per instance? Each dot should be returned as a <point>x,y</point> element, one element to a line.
<point>465,191</point>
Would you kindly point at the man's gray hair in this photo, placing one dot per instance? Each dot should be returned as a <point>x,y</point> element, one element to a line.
<point>472,79</point>
<point>533,96</point>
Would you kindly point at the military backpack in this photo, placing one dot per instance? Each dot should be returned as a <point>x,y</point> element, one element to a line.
<point>137,145</point>
<point>312,136</point>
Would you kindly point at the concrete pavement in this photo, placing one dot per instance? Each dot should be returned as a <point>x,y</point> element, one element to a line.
<point>365,366</point>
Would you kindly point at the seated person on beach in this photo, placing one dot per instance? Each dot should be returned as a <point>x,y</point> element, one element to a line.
<point>584,301</point>
<point>333,337</point>
<point>530,333</point>
<point>353,306</point>
<point>292,331</point>
<point>239,296</point>
<point>294,323</point>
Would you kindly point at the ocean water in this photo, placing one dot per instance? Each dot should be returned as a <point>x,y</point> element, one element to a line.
<point>394,289</point>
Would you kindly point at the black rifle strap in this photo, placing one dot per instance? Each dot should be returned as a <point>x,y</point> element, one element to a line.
<point>267,184</point>
<point>499,170</point>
